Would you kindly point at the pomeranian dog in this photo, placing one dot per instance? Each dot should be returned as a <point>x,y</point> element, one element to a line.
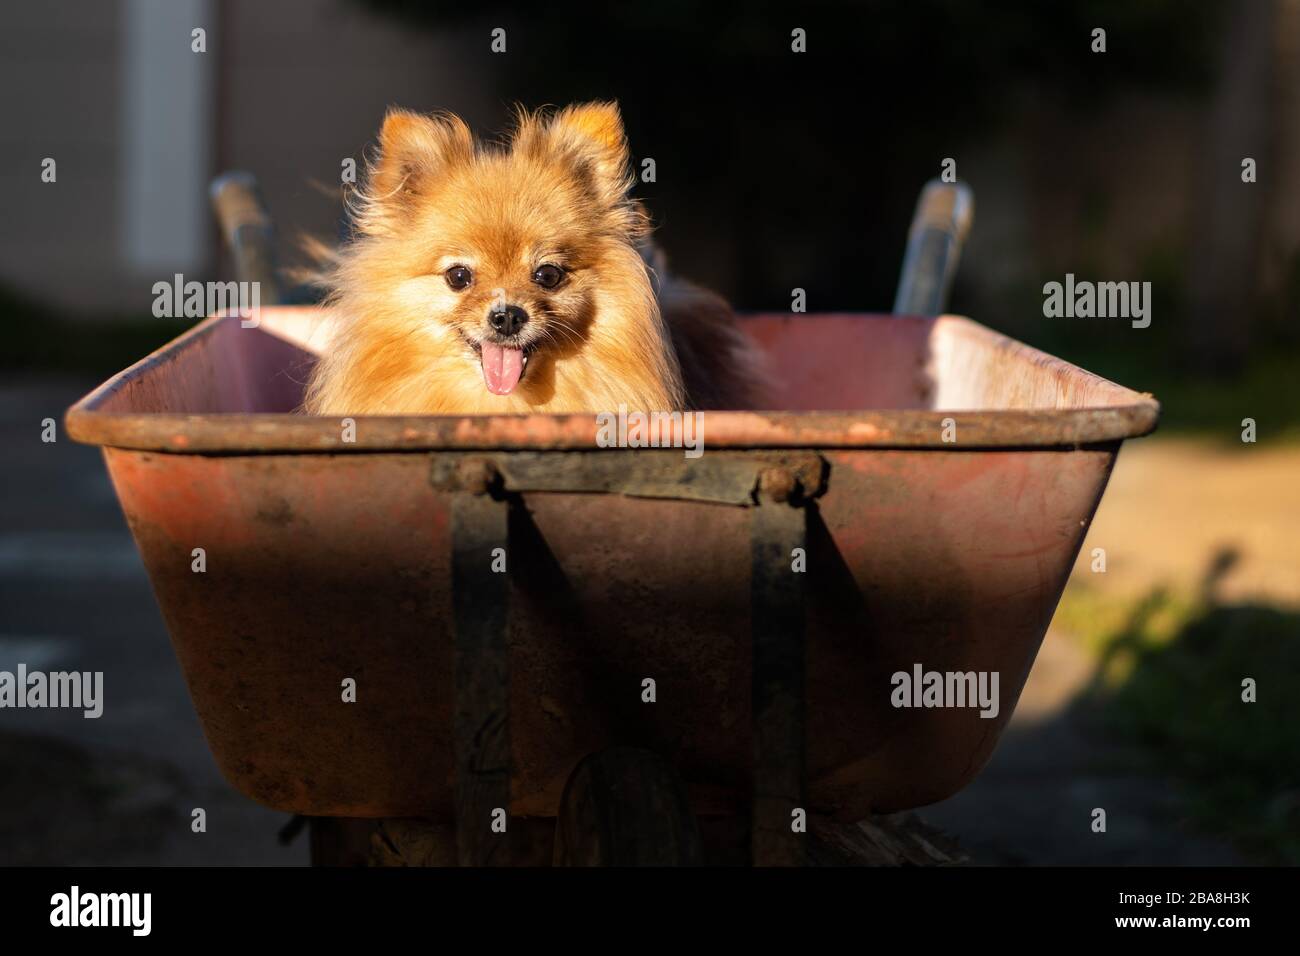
<point>517,277</point>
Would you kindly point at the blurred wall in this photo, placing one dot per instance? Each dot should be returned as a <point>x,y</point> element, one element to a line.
<point>286,90</point>
<point>164,135</point>
<point>775,171</point>
<point>60,75</point>
<point>304,85</point>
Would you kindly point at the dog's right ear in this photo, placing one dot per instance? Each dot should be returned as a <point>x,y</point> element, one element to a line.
<point>413,150</point>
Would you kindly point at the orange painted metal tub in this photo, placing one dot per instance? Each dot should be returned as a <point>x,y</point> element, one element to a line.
<point>328,560</point>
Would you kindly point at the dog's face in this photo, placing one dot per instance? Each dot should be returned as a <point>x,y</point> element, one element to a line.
<point>501,254</point>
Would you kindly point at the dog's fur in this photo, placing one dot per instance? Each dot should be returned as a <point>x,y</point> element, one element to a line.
<point>615,331</point>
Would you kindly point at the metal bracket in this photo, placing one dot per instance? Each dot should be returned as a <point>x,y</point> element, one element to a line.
<point>481,729</point>
<point>778,527</point>
<point>719,477</point>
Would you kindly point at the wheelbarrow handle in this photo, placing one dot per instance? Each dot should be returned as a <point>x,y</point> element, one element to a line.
<point>939,229</point>
<point>247,228</point>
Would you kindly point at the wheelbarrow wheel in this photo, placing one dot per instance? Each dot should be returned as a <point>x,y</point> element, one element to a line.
<point>626,807</point>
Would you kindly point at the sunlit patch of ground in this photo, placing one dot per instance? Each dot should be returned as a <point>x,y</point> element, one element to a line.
<point>1201,593</point>
<point>1174,505</point>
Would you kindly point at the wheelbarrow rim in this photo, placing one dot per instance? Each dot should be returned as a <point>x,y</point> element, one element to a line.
<point>1131,415</point>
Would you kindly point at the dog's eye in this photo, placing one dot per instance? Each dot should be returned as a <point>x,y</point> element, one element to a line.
<point>458,277</point>
<point>548,276</point>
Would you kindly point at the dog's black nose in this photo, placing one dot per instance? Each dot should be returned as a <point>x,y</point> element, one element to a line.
<point>509,320</point>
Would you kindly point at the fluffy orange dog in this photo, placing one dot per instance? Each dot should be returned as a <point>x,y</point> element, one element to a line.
<point>493,279</point>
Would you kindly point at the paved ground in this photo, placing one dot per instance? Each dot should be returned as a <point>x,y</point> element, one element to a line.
<point>121,789</point>
<point>1033,803</point>
<point>73,595</point>
<point>1174,502</point>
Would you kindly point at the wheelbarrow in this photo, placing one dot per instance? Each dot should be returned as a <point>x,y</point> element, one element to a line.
<point>491,624</point>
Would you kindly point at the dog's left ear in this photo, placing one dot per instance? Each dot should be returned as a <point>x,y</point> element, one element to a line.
<point>591,135</point>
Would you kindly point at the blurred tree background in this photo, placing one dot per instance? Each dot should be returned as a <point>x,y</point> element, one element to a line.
<point>777,170</point>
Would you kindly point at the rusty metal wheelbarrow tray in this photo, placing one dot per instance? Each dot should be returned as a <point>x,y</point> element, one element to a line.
<point>947,476</point>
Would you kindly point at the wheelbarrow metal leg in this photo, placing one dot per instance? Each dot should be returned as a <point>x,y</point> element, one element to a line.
<point>481,732</point>
<point>778,528</point>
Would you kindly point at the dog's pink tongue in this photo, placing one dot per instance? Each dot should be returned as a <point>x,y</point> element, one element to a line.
<point>501,368</point>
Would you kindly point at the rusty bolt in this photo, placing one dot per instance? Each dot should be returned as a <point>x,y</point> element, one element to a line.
<point>476,475</point>
<point>777,484</point>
